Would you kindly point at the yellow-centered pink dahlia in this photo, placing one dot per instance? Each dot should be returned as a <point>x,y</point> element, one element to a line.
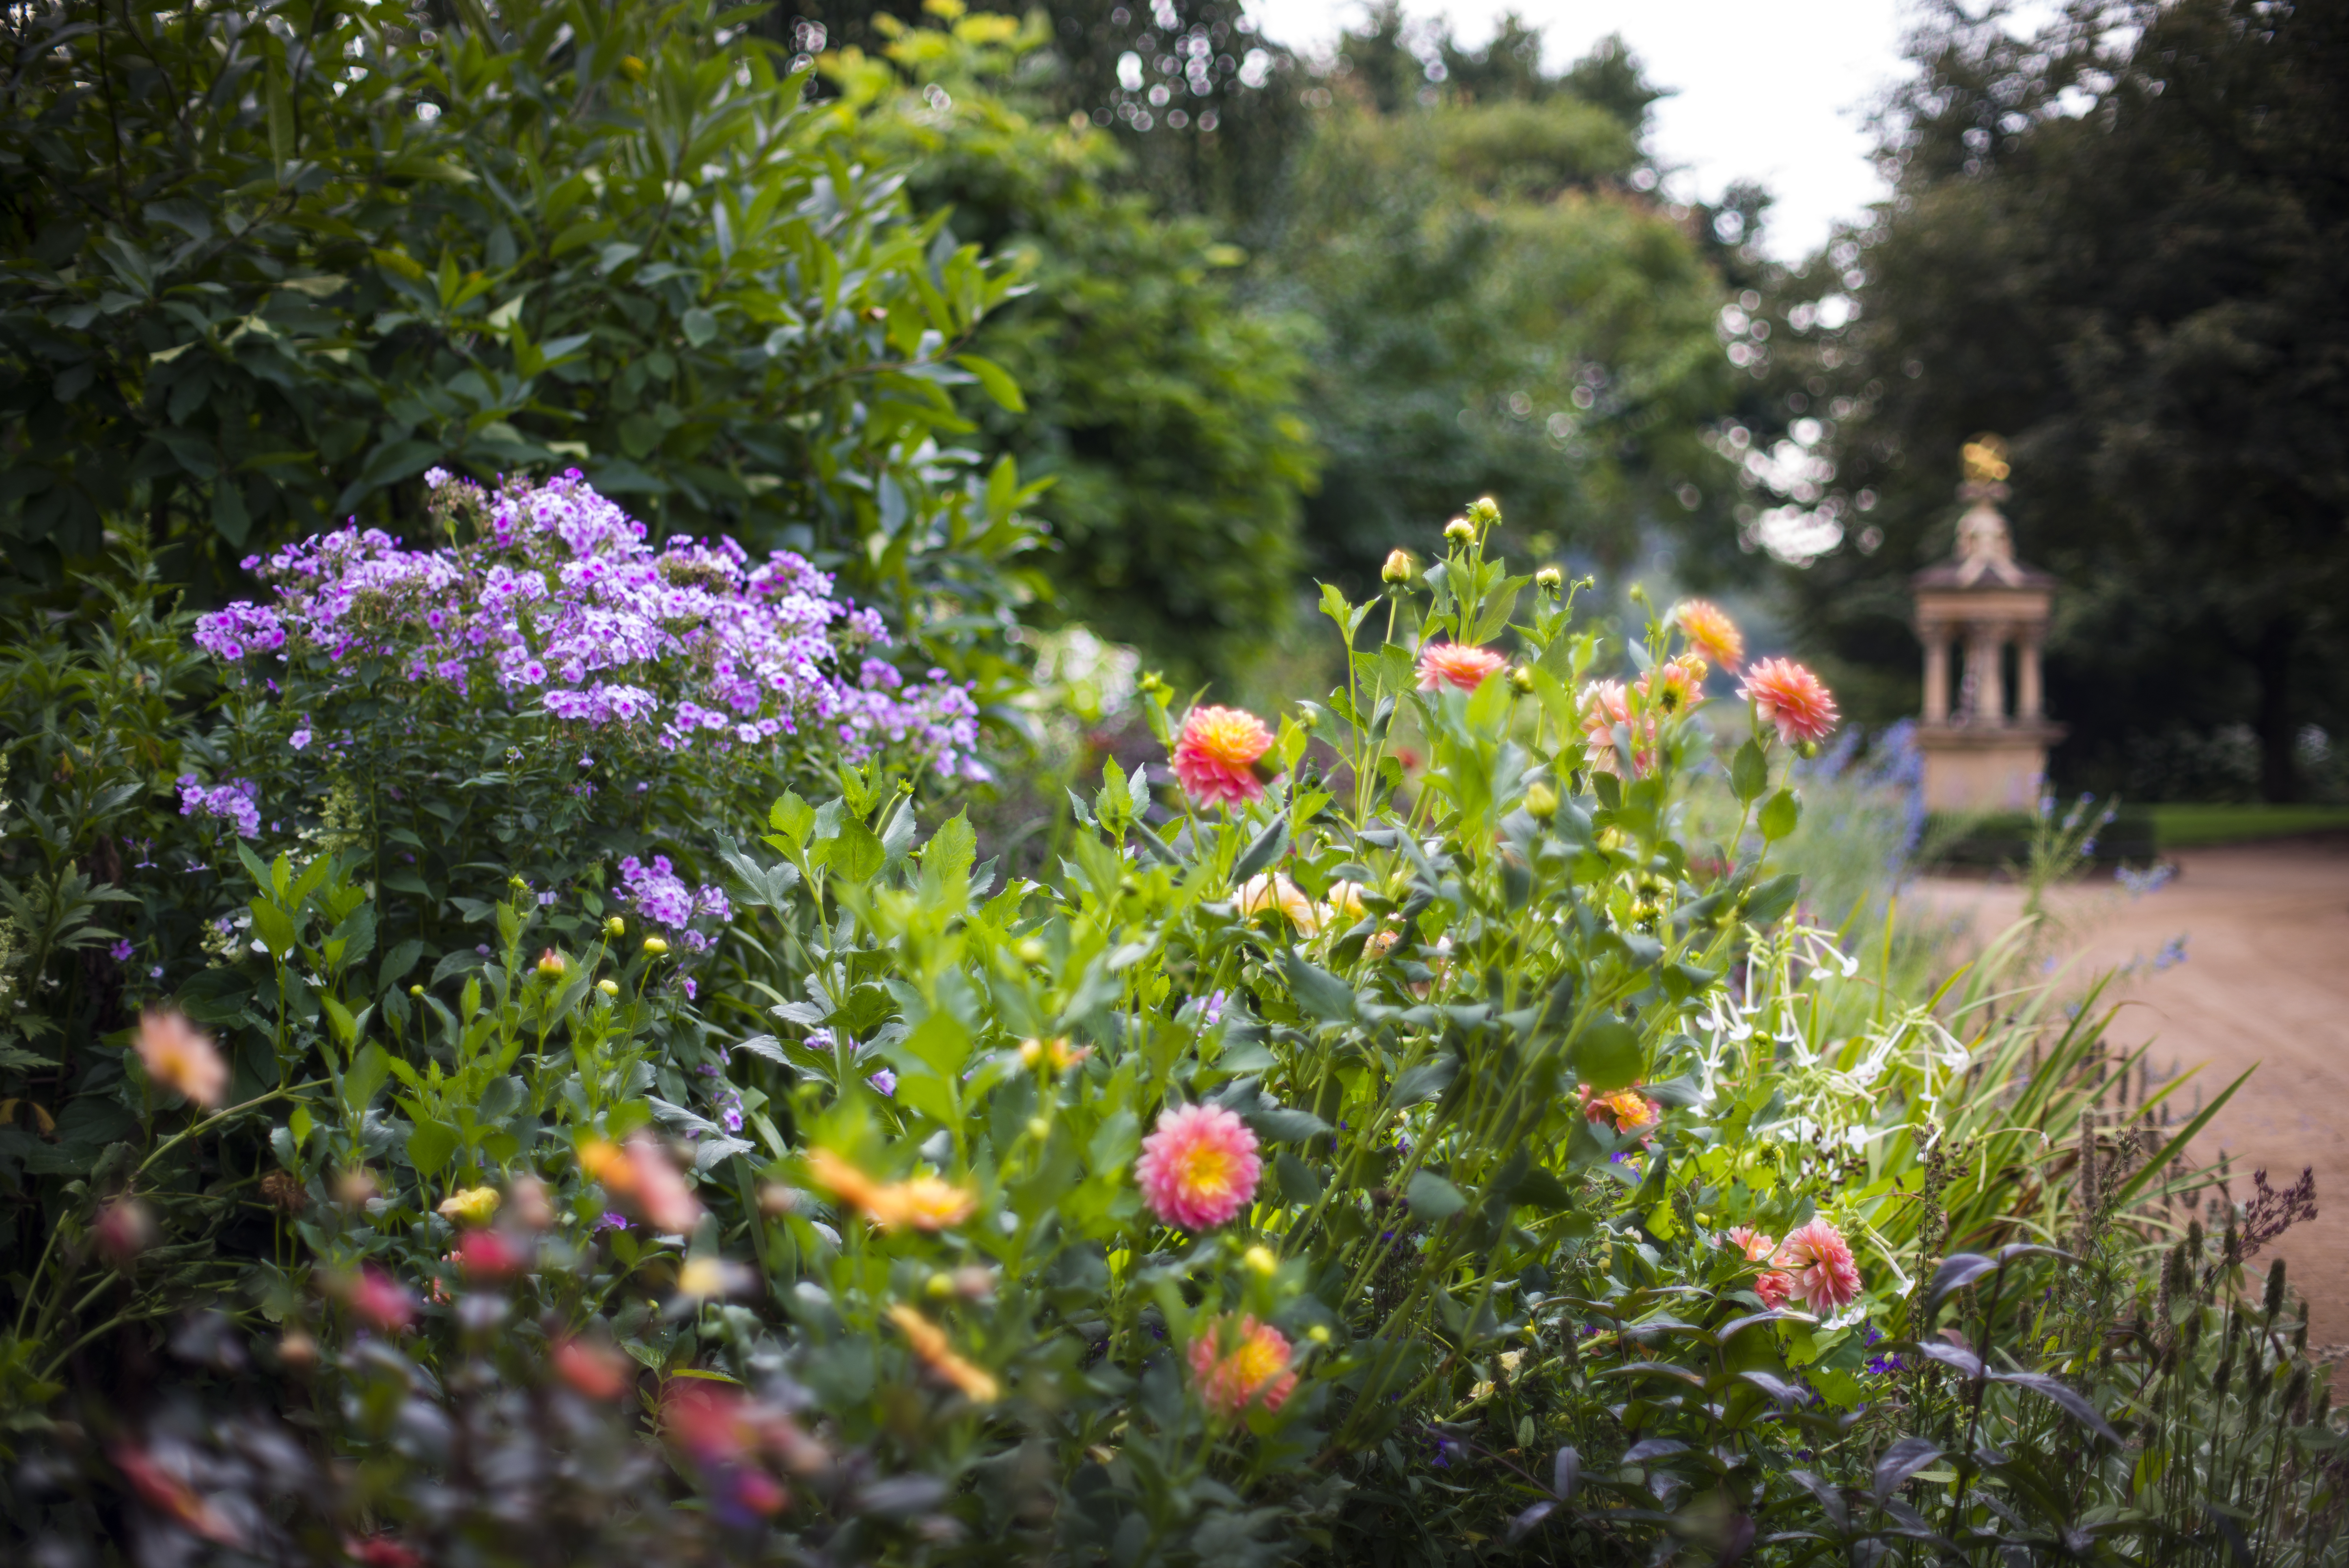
<point>1674,686</point>
<point>1785,694</point>
<point>1216,755</point>
<point>1199,1167</point>
<point>1711,632</point>
<point>1237,1361</point>
<point>1456,664</point>
<point>1605,705</point>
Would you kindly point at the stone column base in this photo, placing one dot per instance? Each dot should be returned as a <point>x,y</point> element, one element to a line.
<point>1985,767</point>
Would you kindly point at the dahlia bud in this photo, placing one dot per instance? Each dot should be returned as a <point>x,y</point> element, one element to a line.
<point>615,926</point>
<point>656,946</point>
<point>551,965</point>
<point>610,987</point>
<point>1549,580</point>
<point>1521,678</point>
<point>1460,530</point>
<point>1541,802</point>
<point>416,990</point>
<point>1398,568</point>
<point>1260,1260</point>
<point>1151,683</point>
<point>1483,512</point>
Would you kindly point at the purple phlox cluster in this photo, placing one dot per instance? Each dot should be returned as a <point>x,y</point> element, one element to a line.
<point>2153,878</point>
<point>726,1101</point>
<point>2172,954</point>
<point>1883,1365</point>
<point>884,1081</point>
<point>233,802</point>
<point>121,951</point>
<point>660,895</point>
<point>561,600</point>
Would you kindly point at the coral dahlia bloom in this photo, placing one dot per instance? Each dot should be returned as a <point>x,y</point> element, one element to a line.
<point>179,1056</point>
<point>1264,891</point>
<point>1199,1167</point>
<point>1673,687</point>
<point>598,1371</point>
<point>1605,705</point>
<point>930,1342</point>
<point>1818,1259</point>
<point>1711,632</point>
<point>1785,694</point>
<point>919,1203</point>
<point>1239,1362</point>
<point>1626,1110</point>
<point>1216,755</point>
<point>1772,1286</point>
<point>1456,664</point>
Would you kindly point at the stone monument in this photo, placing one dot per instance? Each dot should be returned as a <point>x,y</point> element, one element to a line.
<point>1981,753</point>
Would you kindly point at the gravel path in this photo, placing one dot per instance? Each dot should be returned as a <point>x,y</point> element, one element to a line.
<point>2265,982</point>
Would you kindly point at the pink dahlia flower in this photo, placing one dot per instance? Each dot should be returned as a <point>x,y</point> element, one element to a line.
<point>1785,694</point>
<point>1239,1362</point>
<point>1818,1259</point>
<point>1772,1286</point>
<point>1673,687</point>
<point>1711,633</point>
<point>1456,664</point>
<point>1216,755</point>
<point>1605,705</point>
<point>1199,1167</point>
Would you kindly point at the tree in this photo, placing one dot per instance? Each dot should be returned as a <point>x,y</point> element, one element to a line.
<point>2118,243</point>
<point>1503,307</point>
<point>1165,417</point>
<point>265,271</point>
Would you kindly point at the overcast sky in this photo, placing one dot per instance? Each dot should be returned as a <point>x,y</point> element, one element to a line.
<point>1773,90</point>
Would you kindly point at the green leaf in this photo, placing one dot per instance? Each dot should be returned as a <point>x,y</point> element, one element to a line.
<point>1115,1142</point>
<point>858,854</point>
<point>275,927</point>
<point>1432,1198</point>
<point>1267,847</point>
<point>1316,990</point>
<point>947,857</point>
<point>997,381</point>
<point>1779,815</point>
<point>791,817</point>
<point>1772,898</point>
<point>1749,773</point>
<point>698,326</point>
<point>430,1146</point>
<point>1608,1055</point>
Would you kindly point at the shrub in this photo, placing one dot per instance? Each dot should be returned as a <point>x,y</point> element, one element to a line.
<point>1385,1160</point>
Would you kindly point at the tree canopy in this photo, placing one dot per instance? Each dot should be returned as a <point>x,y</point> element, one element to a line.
<point>2118,243</point>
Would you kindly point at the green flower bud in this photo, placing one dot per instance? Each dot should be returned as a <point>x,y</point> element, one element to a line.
<point>1398,568</point>
<point>1460,530</point>
<point>1541,802</point>
<point>1483,512</point>
<point>1521,678</point>
<point>615,926</point>
<point>1549,580</point>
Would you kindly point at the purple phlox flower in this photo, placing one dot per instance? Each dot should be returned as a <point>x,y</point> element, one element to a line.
<point>233,802</point>
<point>122,951</point>
<point>1212,1014</point>
<point>884,1081</point>
<point>610,1222</point>
<point>299,739</point>
<point>689,986</point>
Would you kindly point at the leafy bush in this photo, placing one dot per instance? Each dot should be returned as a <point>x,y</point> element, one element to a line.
<point>266,269</point>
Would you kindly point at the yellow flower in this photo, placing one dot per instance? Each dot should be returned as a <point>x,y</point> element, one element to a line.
<point>1344,902</point>
<point>470,1205</point>
<point>706,1276</point>
<point>930,1342</point>
<point>1267,891</point>
<point>1260,1260</point>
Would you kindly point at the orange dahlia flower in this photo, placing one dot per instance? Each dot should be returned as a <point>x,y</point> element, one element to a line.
<point>179,1056</point>
<point>1711,632</point>
<point>1215,755</point>
<point>930,1342</point>
<point>919,1203</point>
<point>1239,1362</point>
<point>1785,694</point>
<point>1456,664</point>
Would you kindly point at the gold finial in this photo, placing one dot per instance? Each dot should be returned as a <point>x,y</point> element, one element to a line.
<point>1985,460</point>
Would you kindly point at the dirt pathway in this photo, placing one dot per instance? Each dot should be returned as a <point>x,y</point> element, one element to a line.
<point>2265,981</point>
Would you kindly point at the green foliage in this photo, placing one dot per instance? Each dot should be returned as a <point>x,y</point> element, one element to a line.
<point>1500,312</point>
<point>2110,246</point>
<point>263,275</point>
<point>1165,416</point>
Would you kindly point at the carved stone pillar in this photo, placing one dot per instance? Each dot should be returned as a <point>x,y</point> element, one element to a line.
<point>1937,673</point>
<point>2030,698</point>
<point>1985,682</point>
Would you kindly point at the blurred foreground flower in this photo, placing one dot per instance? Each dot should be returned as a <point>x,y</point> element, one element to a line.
<point>1625,1109</point>
<point>1199,1167</point>
<point>929,1342</point>
<point>179,1057</point>
<point>1266,891</point>
<point>643,1176</point>
<point>597,1371</point>
<point>1216,755</point>
<point>921,1203</point>
<point>1819,1261</point>
<point>1711,632</point>
<point>1785,694</point>
<point>377,1298</point>
<point>1239,1362</point>
<point>125,1229</point>
<point>470,1205</point>
<point>1456,664</point>
<point>171,1495</point>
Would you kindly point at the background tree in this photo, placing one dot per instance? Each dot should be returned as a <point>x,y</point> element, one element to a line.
<point>2117,242</point>
<point>1504,306</point>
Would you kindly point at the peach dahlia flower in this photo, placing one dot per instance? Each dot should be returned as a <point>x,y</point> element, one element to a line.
<point>1216,755</point>
<point>1820,1263</point>
<point>1457,665</point>
<point>1711,632</point>
<point>180,1057</point>
<point>1785,694</point>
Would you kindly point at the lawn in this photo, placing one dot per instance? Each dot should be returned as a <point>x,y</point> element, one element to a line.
<point>2187,827</point>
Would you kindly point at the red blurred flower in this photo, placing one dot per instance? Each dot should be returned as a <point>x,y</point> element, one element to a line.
<point>160,1488</point>
<point>598,1371</point>
<point>379,1298</point>
<point>382,1552</point>
<point>490,1255</point>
